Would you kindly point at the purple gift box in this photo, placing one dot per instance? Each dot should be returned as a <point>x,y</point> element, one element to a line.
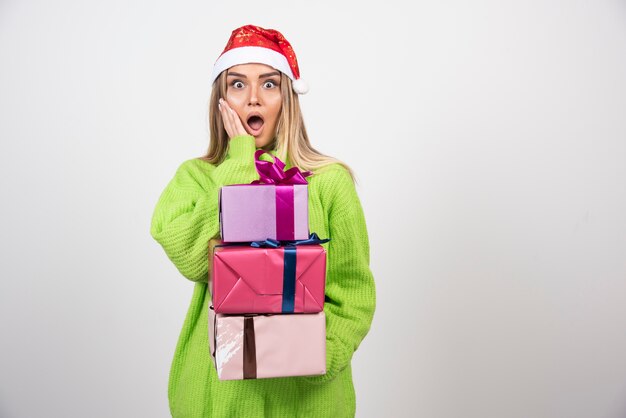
<point>255,212</point>
<point>276,206</point>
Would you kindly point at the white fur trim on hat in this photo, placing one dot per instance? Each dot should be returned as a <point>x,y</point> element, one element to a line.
<point>250,54</point>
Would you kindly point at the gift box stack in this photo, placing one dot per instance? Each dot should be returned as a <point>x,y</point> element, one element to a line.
<point>267,277</point>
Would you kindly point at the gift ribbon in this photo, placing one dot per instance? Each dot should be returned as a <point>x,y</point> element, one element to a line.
<point>285,211</point>
<point>272,243</point>
<point>268,243</point>
<point>289,279</point>
<point>274,173</point>
<point>313,239</point>
<point>249,348</point>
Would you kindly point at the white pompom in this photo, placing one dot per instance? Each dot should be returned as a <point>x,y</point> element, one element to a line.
<point>300,86</point>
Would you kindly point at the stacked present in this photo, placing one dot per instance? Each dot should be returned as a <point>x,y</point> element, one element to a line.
<point>267,278</point>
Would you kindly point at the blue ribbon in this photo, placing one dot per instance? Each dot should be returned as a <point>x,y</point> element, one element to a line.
<point>289,279</point>
<point>313,239</point>
<point>272,243</point>
<point>268,243</point>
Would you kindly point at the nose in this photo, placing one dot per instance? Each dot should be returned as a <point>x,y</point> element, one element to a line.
<point>254,97</point>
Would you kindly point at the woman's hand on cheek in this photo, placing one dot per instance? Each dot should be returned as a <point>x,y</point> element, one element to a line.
<point>232,122</point>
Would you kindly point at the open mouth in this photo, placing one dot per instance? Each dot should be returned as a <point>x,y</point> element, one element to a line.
<point>255,123</point>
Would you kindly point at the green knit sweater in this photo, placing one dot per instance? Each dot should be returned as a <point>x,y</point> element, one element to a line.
<point>186,217</point>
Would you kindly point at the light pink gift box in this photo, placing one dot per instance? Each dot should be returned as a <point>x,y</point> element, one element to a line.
<point>262,346</point>
<point>245,279</point>
<point>255,212</point>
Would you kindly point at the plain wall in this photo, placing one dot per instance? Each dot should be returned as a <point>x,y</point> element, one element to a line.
<point>489,139</point>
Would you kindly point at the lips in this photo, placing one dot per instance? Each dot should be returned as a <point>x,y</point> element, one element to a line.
<point>255,123</point>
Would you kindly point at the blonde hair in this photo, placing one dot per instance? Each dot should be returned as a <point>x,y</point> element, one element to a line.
<point>291,141</point>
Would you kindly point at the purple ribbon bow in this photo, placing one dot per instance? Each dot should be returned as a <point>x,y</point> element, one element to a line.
<point>273,172</point>
<point>284,181</point>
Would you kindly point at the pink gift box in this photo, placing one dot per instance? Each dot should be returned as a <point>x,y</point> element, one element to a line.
<point>289,279</point>
<point>262,346</point>
<point>255,212</point>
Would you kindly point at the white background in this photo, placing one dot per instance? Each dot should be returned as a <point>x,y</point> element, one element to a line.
<point>489,138</point>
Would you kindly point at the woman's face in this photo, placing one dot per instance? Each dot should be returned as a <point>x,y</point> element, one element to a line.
<point>253,91</point>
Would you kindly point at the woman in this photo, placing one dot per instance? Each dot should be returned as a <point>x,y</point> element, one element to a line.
<point>253,106</point>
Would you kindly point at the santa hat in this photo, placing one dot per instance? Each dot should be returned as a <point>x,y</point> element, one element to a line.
<point>250,43</point>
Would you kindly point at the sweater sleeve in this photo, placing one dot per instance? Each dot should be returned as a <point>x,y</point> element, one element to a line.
<point>350,289</point>
<point>186,215</point>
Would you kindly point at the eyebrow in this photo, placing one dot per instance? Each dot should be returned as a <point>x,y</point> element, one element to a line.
<point>234,74</point>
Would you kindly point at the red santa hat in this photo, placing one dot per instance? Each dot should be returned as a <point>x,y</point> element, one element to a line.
<point>250,43</point>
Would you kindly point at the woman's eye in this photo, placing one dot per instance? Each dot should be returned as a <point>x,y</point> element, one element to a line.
<point>237,84</point>
<point>269,84</point>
